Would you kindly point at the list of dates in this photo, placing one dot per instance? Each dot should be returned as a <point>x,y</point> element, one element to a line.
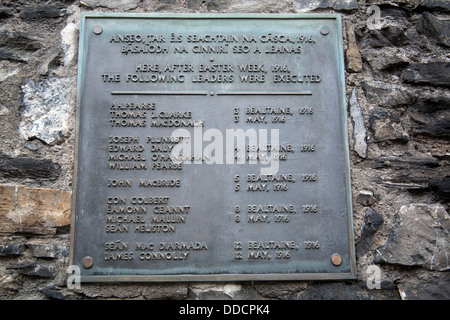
<point>215,152</point>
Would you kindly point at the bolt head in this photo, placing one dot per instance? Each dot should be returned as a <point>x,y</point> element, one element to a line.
<point>324,30</point>
<point>97,29</point>
<point>88,262</point>
<point>336,259</point>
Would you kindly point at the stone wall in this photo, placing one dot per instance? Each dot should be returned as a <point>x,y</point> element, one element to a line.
<point>397,80</point>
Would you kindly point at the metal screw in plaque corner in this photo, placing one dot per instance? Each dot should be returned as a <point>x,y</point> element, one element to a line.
<point>336,259</point>
<point>324,30</point>
<point>97,29</point>
<point>87,262</point>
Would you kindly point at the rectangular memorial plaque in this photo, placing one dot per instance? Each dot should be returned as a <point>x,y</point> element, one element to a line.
<point>211,147</point>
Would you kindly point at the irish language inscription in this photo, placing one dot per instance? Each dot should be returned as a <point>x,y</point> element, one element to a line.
<point>211,148</point>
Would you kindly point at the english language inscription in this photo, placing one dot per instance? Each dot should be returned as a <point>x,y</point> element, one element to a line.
<point>211,147</point>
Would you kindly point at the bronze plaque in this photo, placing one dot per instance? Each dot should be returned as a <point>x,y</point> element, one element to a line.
<point>211,147</point>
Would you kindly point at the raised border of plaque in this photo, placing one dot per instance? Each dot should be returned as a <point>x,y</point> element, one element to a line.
<point>86,192</point>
